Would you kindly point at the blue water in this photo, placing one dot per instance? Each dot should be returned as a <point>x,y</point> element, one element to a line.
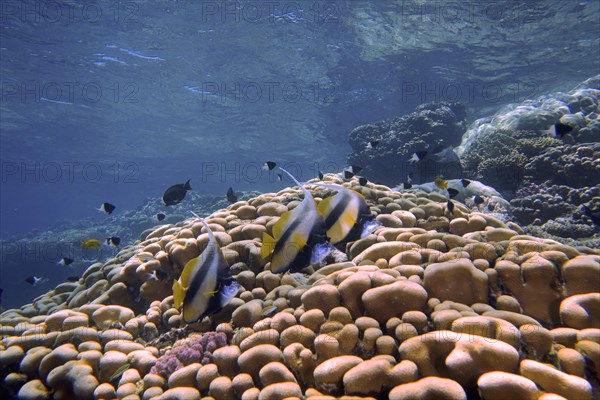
<point>115,101</point>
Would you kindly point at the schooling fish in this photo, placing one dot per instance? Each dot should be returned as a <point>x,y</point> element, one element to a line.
<point>36,280</point>
<point>107,208</point>
<point>558,129</point>
<point>231,196</point>
<point>205,285</point>
<point>346,214</point>
<point>269,165</point>
<point>452,193</point>
<point>113,241</point>
<point>372,144</point>
<point>450,207</point>
<point>160,216</point>
<point>65,261</point>
<point>477,199</point>
<point>465,182</point>
<point>299,237</point>
<point>176,193</point>
<point>93,244</point>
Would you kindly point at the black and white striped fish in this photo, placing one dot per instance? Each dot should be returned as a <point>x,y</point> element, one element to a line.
<point>299,237</point>
<point>205,285</point>
<point>347,215</point>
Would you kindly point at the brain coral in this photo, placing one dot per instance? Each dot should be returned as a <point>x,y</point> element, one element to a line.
<point>431,305</point>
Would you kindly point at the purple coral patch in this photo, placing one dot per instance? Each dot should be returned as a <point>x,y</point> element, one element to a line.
<point>195,348</point>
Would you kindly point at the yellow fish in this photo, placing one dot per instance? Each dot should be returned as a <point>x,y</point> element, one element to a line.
<point>93,244</point>
<point>441,183</point>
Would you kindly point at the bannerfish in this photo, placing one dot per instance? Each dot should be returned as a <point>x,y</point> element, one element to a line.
<point>465,182</point>
<point>558,129</point>
<point>321,176</point>
<point>160,216</point>
<point>36,280</point>
<point>107,208</point>
<point>93,244</point>
<point>72,278</point>
<point>231,196</point>
<point>346,214</point>
<point>348,174</point>
<point>477,199</point>
<point>362,181</point>
<point>372,144</point>
<point>407,185</point>
<point>299,237</point>
<point>441,183</point>
<point>176,193</point>
<point>65,261</point>
<point>269,165</point>
<point>113,241</point>
<point>205,285</point>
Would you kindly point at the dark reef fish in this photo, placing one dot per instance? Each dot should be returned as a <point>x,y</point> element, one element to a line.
<point>269,165</point>
<point>299,237</point>
<point>160,216</point>
<point>558,129</point>
<point>176,193</point>
<point>442,160</point>
<point>113,241</point>
<point>107,208</point>
<point>65,261</point>
<point>205,285</point>
<point>36,280</point>
<point>231,196</point>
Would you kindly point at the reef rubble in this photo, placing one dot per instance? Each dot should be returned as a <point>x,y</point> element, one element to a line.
<point>431,305</point>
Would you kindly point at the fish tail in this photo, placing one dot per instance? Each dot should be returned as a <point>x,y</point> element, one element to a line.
<point>187,185</point>
<point>268,245</point>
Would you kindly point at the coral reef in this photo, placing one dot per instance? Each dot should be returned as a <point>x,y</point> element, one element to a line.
<point>39,251</point>
<point>430,125</point>
<point>195,348</point>
<point>430,305</point>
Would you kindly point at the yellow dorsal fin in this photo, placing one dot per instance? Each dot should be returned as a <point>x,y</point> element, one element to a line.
<point>187,272</point>
<point>356,193</point>
<point>324,205</point>
<point>210,293</point>
<point>268,245</point>
<point>278,227</point>
<point>178,294</point>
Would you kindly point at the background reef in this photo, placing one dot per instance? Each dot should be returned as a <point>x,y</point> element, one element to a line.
<point>473,303</point>
<point>431,305</point>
